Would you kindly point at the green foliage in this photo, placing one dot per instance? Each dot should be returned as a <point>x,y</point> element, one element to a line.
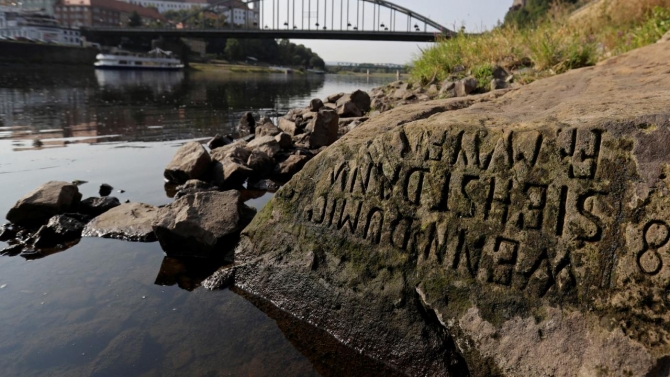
<point>234,49</point>
<point>553,44</point>
<point>484,74</point>
<point>134,20</point>
<point>533,12</point>
<point>268,50</point>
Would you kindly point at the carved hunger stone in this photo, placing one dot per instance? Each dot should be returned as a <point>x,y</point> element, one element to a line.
<point>525,235</point>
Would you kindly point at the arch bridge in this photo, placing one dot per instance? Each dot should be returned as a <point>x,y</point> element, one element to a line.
<point>377,20</point>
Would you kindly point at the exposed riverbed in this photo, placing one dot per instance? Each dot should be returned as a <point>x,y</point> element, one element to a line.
<point>110,307</point>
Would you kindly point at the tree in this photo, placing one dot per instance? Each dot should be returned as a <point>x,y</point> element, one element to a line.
<point>134,20</point>
<point>317,62</point>
<point>234,50</point>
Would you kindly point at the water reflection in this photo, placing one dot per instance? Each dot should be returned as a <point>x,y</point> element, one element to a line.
<point>159,81</point>
<point>187,273</point>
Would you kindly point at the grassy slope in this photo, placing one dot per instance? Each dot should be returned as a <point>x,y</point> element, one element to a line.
<point>561,42</point>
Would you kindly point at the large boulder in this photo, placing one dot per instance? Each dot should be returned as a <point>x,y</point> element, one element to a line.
<point>267,129</point>
<point>527,234</point>
<point>247,123</point>
<point>190,162</point>
<point>323,128</point>
<point>289,126</point>
<point>202,224</point>
<point>38,206</point>
<point>129,221</point>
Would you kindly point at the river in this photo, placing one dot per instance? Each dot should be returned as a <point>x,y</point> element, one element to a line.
<point>111,308</point>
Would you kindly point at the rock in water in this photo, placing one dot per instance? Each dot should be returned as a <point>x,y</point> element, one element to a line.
<point>528,234</point>
<point>190,162</point>
<point>105,189</point>
<point>59,229</point>
<point>130,222</point>
<point>202,224</point>
<point>97,206</point>
<point>38,206</point>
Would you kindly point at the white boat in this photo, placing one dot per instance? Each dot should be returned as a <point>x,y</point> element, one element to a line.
<point>155,59</point>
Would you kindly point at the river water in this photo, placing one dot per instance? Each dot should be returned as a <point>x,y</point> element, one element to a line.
<point>115,308</point>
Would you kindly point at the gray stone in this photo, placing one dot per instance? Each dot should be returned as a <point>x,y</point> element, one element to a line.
<point>323,128</point>
<point>237,151</point>
<point>97,206</point>
<point>105,189</point>
<point>202,225</point>
<point>499,84</point>
<point>315,105</point>
<point>266,144</point>
<point>499,73</point>
<point>219,141</point>
<point>192,186</point>
<point>59,229</point>
<point>284,140</point>
<point>247,123</point>
<point>38,206</point>
<point>348,109</point>
<point>129,221</point>
<point>333,98</point>
<point>301,140</point>
<point>267,129</point>
<point>522,233</point>
<point>260,163</point>
<point>466,86</point>
<point>360,98</point>
<point>288,168</point>
<point>190,162</point>
<point>289,127</point>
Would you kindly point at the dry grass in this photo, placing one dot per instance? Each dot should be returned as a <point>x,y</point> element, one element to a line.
<point>561,42</point>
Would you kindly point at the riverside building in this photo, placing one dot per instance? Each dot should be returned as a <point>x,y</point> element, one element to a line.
<point>35,26</point>
<point>77,13</point>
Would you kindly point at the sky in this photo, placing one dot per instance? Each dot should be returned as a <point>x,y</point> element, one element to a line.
<point>475,15</point>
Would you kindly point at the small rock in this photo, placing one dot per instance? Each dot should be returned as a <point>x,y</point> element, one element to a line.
<point>247,123</point>
<point>289,127</point>
<point>200,224</point>
<point>121,191</point>
<point>192,186</point>
<point>333,98</point>
<point>12,250</point>
<point>301,140</point>
<point>287,169</point>
<point>499,73</point>
<point>78,182</point>
<point>466,86</point>
<point>315,105</point>
<point>265,185</point>
<point>58,230</point>
<point>230,173</point>
<point>284,140</point>
<point>38,206</point>
<point>97,206</point>
<point>218,141</point>
<point>260,163</point>
<point>266,144</point>
<point>190,162</point>
<point>7,232</point>
<point>131,222</point>
<point>323,128</point>
<point>37,143</point>
<point>105,189</point>
<point>499,84</point>
<point>267,129</point>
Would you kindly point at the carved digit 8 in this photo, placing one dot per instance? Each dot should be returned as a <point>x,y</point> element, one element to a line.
<point>656,234</point>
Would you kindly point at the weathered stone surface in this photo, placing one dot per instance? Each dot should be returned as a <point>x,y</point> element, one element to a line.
<point>129,221</point>
<point>247,123</point>
<point>333,98</point>
<point>289,167</point>
<point>499,84</point>
<point>266,144</point>
<point>235,151</point>
<point>218,141</point>
<point>260,163</point>
<point>38,206</point>
<point>360,100</point>
<point>190,162</point>
<point>465,86</point>
<point>97,206</point>
<point>289,126</point>
<point>267,129</point>
<point>59,229</point>
<point>349,109</point>
<point>221,279</point>
<point>323,128</point>
<point>528,234</point>
<point>315,105</point>
<point>192,186</point>
<point>284,140</point>
<point>200,224</point>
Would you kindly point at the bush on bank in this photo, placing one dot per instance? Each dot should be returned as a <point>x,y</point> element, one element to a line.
<point>563,39</point>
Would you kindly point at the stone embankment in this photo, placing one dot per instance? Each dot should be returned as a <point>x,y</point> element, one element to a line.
<point>521,232</point>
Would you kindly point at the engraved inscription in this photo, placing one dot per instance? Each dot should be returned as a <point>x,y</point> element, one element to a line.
<point>655,235</point>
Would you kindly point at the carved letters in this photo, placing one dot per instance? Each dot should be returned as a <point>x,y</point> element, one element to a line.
<point>471,201</point>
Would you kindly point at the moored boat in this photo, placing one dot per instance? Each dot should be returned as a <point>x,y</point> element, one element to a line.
<point>155,59</point>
